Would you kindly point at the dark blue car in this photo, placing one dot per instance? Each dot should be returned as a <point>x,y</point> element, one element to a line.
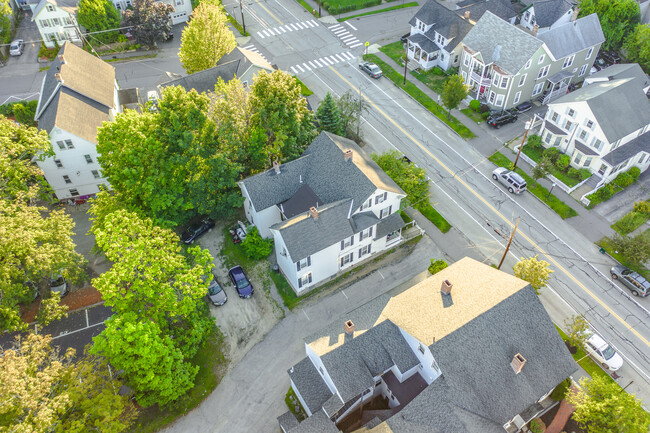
<point>240,281</point>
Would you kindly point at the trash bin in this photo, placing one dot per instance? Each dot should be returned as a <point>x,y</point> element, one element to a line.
<point>276,269</point>
<point>602,250</point>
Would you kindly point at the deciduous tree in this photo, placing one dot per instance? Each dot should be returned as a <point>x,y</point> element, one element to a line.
<point>411,178</point>
<point>577,330</point>
<point>149,21</point>
<point>453,92</point>
<point>98,15</point>
<point>637,46</point>
<point>43,391</point>
<point>602,406</point>
<point>207,38</point>
<point>533,270</point>
<point>635,249</point>
<point>543,168</point>
<point>328,116</point>
<point>617,18</point>
<point>351,108</point>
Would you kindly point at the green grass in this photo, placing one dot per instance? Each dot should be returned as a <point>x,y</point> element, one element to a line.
<point>233,254</point>
<point>476,117</point>
<point>606,243</point>
<point>585,361</point>
<point>284,289</point>
<point>558,206</point>
<point>304,90</point>
<point>44,68</point>
<point>296,408</point>
<point>433,78</point>
<point>238,26</point>
<point>421,97</point>
<point>536,154</point>
<point>335,7</point>
<point>434,216</point>
<point>308,8</point>
<point>407,219</point>
<point>392,8</point>
<point>395,51</point>
<point>209,359</point>
<point>630,222</point>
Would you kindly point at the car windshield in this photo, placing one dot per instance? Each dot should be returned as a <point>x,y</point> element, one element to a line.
<point>214,289</point>
<point>608,352</point>
<point>14,45</point>
<point>243,283</point>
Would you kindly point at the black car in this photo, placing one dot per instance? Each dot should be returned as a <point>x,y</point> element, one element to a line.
<point>241,282</point>
<point>371,69</point>
<point>196,230</point>
<point>403,39</point>
<point>524,106</point>
<point>496,120</point>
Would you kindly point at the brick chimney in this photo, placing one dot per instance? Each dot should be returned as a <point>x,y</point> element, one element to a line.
<point>348,155</point>
<point>349,327</point>
<point>446,287</point>
<point>61,58</point>
<point>517,363</point>
<point>535,29</point>
<point>466,15</point>
<point>276,166</point>
<point>576,11</point>
<point>313,212</point>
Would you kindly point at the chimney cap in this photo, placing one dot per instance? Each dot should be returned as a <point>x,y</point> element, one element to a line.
<point>445,287</point>
<point>349,327</point>
<point>348,155</point>
<point>517,363</point>
<point>57,77</point>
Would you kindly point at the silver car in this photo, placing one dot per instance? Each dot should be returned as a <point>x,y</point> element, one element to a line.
<point>58,284</point>
<point>515,183</point>
<point>633,280</point>
<point>216,294</point>
<point>17,47</point>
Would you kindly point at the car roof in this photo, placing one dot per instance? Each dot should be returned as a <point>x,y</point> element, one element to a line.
<point>517,177</point>
<point>597,341</point>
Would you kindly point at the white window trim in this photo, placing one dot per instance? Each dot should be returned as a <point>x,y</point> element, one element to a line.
<point>528,63</point>
<point>522,80</point>
<point>499,101</point>
<point>517,96</point>
<point>568,61</point>
<point>541,59</point>
<point>583,70</point>
<point>589,53</point>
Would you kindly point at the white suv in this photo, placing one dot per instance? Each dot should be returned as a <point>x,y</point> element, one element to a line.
<point>603,353</point>
<point>515,183</point>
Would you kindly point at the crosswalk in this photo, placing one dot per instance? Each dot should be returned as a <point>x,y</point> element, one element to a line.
<point>343,34</point>
<point>254,49</point>
<point>275,31</point>
<point>323,61</point>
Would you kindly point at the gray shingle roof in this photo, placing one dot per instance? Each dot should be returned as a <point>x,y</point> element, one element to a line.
<point>426,44</point>
<point>501,43</point>
<point>300,202</point>
<point>585,149</point>
<point>445,22</point>
<point>628,150</point>
<point>621,70</point>
<point>501,8</point>
<point>310,384</point>
<point>573,37</point>
<point>333,404</point>
<point>554,129</point>
<point>317,423</point>
<point>70,6</point>
<point>389,225</point>
<point>323,167</point>
<point>619,105</point>
<point>549,11</point>
<point>287,421</point>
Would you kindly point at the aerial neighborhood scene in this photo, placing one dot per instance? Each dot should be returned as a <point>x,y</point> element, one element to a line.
<point>325,216</point>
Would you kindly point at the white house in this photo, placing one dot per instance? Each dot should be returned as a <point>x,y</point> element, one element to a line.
<point>79,93</point>
<point>468,350</point>
<point>546,14</point>
<point>181,13</point>
<point>327,211</point>
<point>56,21</point>
<point>605,125</point>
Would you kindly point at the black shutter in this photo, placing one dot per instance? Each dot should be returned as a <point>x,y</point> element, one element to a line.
<point>308,260</point>
<point>310,277</point>
<point>352,240</point>
<point>376,199</point>
<point>298,265</point>
<point>342,245</point>
<point>342,261</point>
<point>369,247</point>
<point>370,234</point>
<point>389,209</point>
<point>299,282</point>
<point>359,252</point>
<point>385,195</point>
<point>360,236</point>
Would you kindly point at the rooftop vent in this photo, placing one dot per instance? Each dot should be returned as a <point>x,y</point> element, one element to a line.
<point>276,166</point>
<point>313,212</point>
<point>348,155</point>
<point>58,78</point>
<point>466,14</point>
<point>349,327</point>
<point>517,363</point>
<point>61,58</point>
<point>446,287</point>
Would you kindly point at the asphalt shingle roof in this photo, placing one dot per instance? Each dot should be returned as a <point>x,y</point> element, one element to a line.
<point>501,43</point>
<point>549,11</point>
<point>317,423</point>
<point>389,225</point>
<point>628,150</point>
<point>310,384</point>
<point>501,8</point>
<point>573,37</point>
<point>445,22</point>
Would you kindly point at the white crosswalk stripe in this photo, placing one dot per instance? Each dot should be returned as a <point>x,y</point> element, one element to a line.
<point>345,35</point>
<point>307,67</point>
<point>333,59</point>
<point>347,38</point>
<point>293,70</point>
<point>254,49</point>
<point>304,25</point>
<point>301,69</point>
<point>356,45</point>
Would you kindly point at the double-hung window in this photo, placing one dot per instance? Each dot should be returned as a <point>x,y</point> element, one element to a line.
<point>385,212</point>
<point>504,82</point>
<point>346,259</point>
<point>89,159</point>
<point>544,71</point>
<point>365,250</point>
<point>365,234</point>
<point>306,262</point>
<point>69,144</point>
<point>568,61</point>
<point>522,80</point>
<point>304,280</point>
<point>366,204</point>
<point>381,197</point>
<point>347,242</point>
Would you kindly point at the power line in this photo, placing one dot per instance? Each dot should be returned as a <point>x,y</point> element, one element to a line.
<point>85,34</point>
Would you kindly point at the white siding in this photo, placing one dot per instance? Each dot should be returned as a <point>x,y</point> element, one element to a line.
<point>284,260</point>
<point>428,370</point>
<point>56,25</point>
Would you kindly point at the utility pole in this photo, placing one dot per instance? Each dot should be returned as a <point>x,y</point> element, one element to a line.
<point>406,61</point>
<point>529,125</point>
<point>512,235</point>
<point>359,113</point>
<point>242,16</point>
<point>319,13</point>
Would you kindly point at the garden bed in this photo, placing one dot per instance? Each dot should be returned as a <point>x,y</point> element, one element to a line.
<point>630,222</point>
<point>569,176</point>
<point>609,190</point>
<point>335,7</point>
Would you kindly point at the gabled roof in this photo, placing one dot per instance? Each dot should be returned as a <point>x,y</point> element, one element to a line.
<point>547,12</point>
<point>573,37</point>
<point>70,6</point>
<point>234,64</point>
<point>501,8</point>
<point>501,43</point>
<point>618,104</point>
<point>317,423</point>
<point>81,101</point>
<point>444,21</point>
<point>310,383</point>
<point>618,71</point>
<point>628,150</point>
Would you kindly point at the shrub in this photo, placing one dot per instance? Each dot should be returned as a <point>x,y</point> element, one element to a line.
<point>475,105</point>
<point>584,173</point>
<point>624,180</point>
<point>534,141</point>
<point>635,172</point>
<point>485,115</point>
<point>563,162</point>
<point>452,71</point>
<point>485,108</point>
<point>572,172</point>
<point>255,246</point>
<point>437,266</point>
<point>536,426</point>
<point>24,113</point>
<point>552,153</point>
<point>642,207</point>
<point>437,71</point>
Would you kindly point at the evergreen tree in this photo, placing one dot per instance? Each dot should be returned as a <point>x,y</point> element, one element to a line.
<point>328,116</point>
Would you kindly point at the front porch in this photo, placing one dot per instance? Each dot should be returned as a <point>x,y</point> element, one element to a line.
<point>422,52</point>
<point>558,86</point>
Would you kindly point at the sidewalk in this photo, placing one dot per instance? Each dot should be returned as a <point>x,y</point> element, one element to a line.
<point>589,223</point>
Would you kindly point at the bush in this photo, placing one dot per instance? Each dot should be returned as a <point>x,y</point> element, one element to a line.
<point>255,246</point>
<point>563,162</point>
<point>485,108</point>
<point>536,426</point>
<point>624,180</point>
<point>438,71</point>
<point>552,153</point>
<point>534,141</point>
<point>572,172</point>
<point>635,172</point>
<point>437,266</point>
<point>583,174</point>
<point>642,207</point>
<point>452,71</point>
<point>485,114</point>
<point>24,113</point>
<point>475,105</point>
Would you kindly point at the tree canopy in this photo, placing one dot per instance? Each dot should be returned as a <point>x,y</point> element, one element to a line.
<point>43,391</point>
<point>149,21</point>
<point>617,18</point>
<point>636,248</point>
<point>637,46</point>
<point>602,406</point>
<point>533,270</point>
<point>97,15</point>
<point>453,92</point>
<point>155,291</point>
<point>411,178</point>
<point>206,38</point>
<point>328,116</point>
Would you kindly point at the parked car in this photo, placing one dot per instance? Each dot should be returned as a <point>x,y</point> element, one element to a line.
<point>633,280</point>
<point>603,353</point>
<point>403,39</point>
<point>17,47</point>
<point>58,284</point>
<point>524,106</point>
<point>196,230</point>
<point>152,100</point>
<point>371,69</point>
<point>216,294</point>
<point>515,183</point>
<point>499,119</point>
<point>240,281</point>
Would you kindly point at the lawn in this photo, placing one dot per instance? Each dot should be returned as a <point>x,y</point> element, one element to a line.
<point>476,117</point>
<point>209,358</point>
<point>294,405</point>
<point>421,97</point>
<point>304,90</point>
<point>558,206</point>
<point>308,8</point>
<point>284,289</point>
<point>233,254</point>
<point>630,222</point>
<point>392,8</point>
<point>395,51</point>
<point>336,7</point>
<point>536,154</point>
<point>434,78</point>
<point>606,244</point>
<point>434,216</point>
